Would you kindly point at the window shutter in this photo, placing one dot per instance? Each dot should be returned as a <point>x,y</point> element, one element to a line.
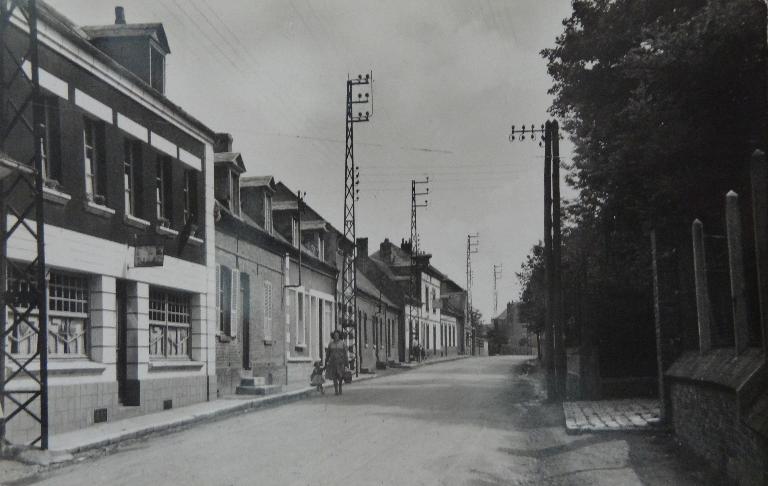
<point>233,312</point>
<point>218,297</point>
<point>268,310</point>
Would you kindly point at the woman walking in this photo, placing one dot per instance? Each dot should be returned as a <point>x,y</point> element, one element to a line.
<point>336,361</point>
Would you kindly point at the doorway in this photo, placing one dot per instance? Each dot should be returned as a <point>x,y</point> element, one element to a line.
<point>245,298</point>
<point>122,334</point>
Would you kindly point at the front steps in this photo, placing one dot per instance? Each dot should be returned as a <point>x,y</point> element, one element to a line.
<point>255,385</point>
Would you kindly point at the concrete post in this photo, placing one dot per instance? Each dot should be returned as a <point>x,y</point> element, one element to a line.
<point>703,310</point>
<point>736,265</point>
<point>759,179</point>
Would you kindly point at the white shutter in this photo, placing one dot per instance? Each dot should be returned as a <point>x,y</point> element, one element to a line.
<point>233,311</point>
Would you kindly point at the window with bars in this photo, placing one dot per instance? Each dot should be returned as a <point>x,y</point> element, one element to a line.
<point>67,317</point>
<point>169,324</point>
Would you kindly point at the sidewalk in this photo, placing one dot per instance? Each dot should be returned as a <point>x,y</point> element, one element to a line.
<point>111,433</point>
<point>612,415</point>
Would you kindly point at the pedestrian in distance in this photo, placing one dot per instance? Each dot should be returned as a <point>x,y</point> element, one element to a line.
<point>336,361</point>
<point>316,378</point>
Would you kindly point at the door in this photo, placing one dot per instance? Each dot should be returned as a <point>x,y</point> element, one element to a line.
<point>245,298</point>
<point>122,354</point>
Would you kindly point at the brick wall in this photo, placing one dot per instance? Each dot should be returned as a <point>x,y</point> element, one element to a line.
<point>704,418</point>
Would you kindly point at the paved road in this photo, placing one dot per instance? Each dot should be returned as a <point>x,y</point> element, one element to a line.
<point>476,421</point>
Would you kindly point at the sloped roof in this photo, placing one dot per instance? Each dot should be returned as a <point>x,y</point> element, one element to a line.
<point>152,30</point>
<point>233,158</point>
<point>258,181</point>
<point>502,316</point>
<point>364,284</point>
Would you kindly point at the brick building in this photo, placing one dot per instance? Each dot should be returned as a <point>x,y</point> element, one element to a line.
<point>379,319</point>
<point>124,167</point>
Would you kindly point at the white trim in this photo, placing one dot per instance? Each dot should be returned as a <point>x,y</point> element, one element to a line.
<point>190,159</point>
<point>99,209</point>
<point>132,128</point>
<point>163,144</point>
<point>166,231</point>
<point>132,220</point>
<point>56,197</point>
<point>93,106</point>
<point>194,240</point>
<point>143,95</point>
<point>89,254</point>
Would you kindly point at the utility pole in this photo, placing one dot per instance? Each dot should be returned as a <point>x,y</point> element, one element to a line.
<point>355,86</point>
<point>496,277</point>
<point>554,334</point>
<point>414,282</point>
<point>473,241</point>
<point>22,284</point>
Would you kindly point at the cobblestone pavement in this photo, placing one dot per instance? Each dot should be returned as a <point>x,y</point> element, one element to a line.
<point>611,415</point>
<point>477,421</point>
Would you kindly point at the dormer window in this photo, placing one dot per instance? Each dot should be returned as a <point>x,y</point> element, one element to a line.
<point>268,213</point>
<point>295,232</point>
<point>320,247</point>
<point>234,191</point>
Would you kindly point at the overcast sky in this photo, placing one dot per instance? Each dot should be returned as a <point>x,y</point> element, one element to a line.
<point>450,79</point>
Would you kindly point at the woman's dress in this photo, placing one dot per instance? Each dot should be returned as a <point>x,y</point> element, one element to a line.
<point>337,360</point>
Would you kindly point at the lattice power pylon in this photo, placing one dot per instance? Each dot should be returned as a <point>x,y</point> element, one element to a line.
<point>355,86</point>
<point>23,302</point>
<point>472,244</point>
<point>413,282</point>
<point>497,269</point>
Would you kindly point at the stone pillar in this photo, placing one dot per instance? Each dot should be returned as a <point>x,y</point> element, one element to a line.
<point>736,266</point>
<point>137,338</point>
<point>199,331</point>
<point>759,179</point>
<point>703,309</point>
<point>103,320</point>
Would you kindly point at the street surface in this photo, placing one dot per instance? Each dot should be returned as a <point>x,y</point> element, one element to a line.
<point>476,421</point>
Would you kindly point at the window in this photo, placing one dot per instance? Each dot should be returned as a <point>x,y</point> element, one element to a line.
<point>302,302</point>
<point>267,311</point>
<point>234,189</point>
<point>268,213</point>
<point>434,299</point>
<point>365,328</point>
<point>226,302</point>
<point>295,232</point>
<point>169,324</point>
<point>426,297</point>
<point>320,247</point>
<point>157,69</point>
<point>49,143</point>
<point>163,191</point>
<point>93,152</point>
<point>131,172</point>
<point>67,317</point>
<point>190,196</point>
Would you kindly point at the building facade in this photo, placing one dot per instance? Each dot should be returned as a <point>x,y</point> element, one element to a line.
<point>125,170</point>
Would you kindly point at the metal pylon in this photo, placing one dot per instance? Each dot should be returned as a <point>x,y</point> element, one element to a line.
<point>23,302</point>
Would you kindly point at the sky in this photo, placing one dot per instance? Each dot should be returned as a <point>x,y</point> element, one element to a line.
<point>450,78</point>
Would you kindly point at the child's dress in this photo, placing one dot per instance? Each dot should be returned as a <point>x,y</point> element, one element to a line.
<point>316,379</point>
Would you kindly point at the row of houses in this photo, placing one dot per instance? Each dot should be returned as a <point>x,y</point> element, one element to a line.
<point>249,286</point>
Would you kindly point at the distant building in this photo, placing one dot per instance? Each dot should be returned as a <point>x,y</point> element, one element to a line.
<point>513,336</point>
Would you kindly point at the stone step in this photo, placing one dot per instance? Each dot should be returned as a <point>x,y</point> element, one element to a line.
<point>258,389</point>
<point>252,381</point>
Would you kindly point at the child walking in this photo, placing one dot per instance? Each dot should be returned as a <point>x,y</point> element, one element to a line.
<point>316,378</point>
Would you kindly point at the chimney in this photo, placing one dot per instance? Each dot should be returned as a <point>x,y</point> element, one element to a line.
<point>362,247</point>
<point>222,143</point>
<point>119,15</point>
<point>406,246</point>
<point>386,250</point>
